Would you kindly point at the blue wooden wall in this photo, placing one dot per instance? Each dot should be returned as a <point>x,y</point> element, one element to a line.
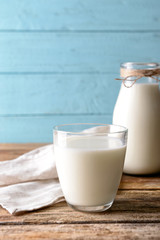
<point>59,58</point>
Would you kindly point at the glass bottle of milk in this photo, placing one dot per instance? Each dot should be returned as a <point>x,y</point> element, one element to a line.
<point>138,109</point>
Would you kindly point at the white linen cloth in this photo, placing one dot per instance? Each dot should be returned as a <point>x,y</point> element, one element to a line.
<point>30,181</point>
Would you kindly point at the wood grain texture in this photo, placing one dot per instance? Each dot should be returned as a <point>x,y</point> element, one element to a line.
<point>32,52</point>
<point>81,232</point>
<point>135,213</point>
<point>58,93</point>
<point>42,40</point>
<point>134,206</point>
<point>80,15</point>
<point>149,182</point>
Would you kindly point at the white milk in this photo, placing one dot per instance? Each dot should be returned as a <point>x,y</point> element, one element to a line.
<point>90,169</point>
<point>138,109</point>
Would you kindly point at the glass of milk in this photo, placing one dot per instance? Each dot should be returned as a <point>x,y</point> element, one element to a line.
<point>89,161</point>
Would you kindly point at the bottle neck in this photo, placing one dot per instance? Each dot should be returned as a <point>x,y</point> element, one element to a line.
<point>146,80</point>
<point>135,73</point>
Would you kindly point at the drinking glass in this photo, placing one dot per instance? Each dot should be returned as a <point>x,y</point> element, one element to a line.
<point>89,161</point>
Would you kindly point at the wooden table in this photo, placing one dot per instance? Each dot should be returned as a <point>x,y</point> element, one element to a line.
<point>135,213</point>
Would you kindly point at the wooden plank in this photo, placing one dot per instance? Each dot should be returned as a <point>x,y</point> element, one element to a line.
<point>39,128</point>
<point>19,147</point>
<point>140,182</point>
<point>79,15</point>
<point>134,206</point>
<point>82,232</point>
<point>74,52</point>
<point>60,93</point>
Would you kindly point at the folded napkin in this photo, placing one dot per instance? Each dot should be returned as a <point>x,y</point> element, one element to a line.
<point>30,181</point>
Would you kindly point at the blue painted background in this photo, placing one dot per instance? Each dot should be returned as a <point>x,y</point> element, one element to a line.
<point>58,60</point>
